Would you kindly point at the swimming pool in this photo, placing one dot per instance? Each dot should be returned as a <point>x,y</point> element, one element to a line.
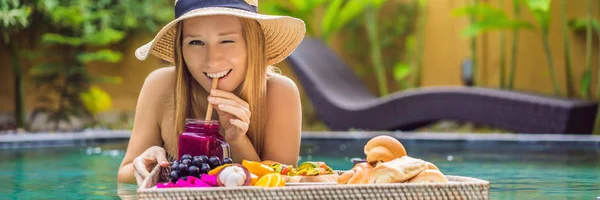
<point>516,170</point>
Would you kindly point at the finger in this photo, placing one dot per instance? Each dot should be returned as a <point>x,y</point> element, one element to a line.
<point>140,166</point>
<point>238,112</point>
<point>240,124</point>
<point>138,178</point>
<point>161,156</point>
<point>228,95</point>
<point>218,100</point>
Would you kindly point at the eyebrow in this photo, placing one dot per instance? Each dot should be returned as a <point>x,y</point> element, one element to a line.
<point>220,34</point>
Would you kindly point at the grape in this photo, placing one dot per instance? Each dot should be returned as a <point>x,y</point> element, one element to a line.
<point>227,161</point>
<point>186,156</point>
<point>183,169</point>
<point>187,162</point>
<point>175,165</point>
<point>197,162</point>
<point>194,171</point>
<point>205,168</point>
<point>204,159</point>
<point>214,162</point>
<point>174,176</point>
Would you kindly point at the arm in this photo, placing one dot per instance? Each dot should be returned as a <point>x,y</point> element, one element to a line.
<point>146,128</point>
<point>284,124</point>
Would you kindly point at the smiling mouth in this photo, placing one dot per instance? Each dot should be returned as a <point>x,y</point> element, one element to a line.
<point>218,74</point>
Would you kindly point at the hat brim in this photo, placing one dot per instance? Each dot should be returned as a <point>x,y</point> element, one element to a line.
<point>282,34</point>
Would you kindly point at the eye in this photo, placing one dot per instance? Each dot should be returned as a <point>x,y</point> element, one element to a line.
<point>196,42</point>
<point>227,41</point>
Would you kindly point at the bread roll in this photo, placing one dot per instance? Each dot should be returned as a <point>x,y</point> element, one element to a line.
<point>383,148</point>
<point>429,176</point>
<point>397,170</point>
<point>432,166</point>
<point>359,174</point>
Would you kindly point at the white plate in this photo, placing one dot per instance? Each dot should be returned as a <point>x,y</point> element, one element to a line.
<point>310,183</point>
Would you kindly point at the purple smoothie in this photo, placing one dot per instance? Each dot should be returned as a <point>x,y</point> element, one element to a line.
<point>202,138</point>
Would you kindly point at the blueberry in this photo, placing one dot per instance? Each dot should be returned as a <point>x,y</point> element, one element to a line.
<point>187,162</point>
<point>186,156</point>
<point>183,170</point>
<point>214,162</point>
<point>197,162</point>
<point>204,159</point>
<point>227,161</point>
<point>184,178</point>
<point>174,176</point>
<point>205,168</point>
<point>194,171</point>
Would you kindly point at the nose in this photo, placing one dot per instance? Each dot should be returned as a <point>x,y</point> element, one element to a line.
<point>213,57</point>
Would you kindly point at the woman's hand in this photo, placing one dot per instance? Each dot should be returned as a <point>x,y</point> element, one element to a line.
<point>234,113</point>
<point>144,163</point>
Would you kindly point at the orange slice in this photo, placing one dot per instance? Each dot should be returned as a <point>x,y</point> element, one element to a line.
<point>270,180</point>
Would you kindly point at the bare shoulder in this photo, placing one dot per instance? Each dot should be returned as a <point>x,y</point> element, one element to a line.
<point>159,84</point>
<point>158,88</point>
<point>161,79</point>
<point>282,89</point>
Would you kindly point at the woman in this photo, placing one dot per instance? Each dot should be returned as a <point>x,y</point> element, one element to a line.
<point>259,111</point>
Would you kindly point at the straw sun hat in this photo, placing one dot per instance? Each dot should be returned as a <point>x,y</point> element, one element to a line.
<point>282,33</point>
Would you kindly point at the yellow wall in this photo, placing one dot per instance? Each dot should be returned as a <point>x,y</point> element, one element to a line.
<point>444,52</point>
<point>444,49</point>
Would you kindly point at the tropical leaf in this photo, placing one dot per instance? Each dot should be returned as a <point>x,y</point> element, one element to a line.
<point>44,69</point>
<point>53,38</point>
<point>331,15</point>
<point>104,37</point>
<point>580,24</point>
<point>488,18</point>
<point>299,4</point>
<point>401,71</point>
<point>104,55</point>
<point>541,12</point>
<point>585,83</point>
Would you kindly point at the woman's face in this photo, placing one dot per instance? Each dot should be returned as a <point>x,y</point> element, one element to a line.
<point>214,47</point>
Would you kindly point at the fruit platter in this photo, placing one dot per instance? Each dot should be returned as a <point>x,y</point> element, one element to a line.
<point>386,173</point>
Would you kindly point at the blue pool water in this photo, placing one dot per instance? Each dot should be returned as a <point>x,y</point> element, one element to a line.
<point>515,170</point>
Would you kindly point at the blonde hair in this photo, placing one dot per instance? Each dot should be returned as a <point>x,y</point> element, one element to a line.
<point>190,97</point>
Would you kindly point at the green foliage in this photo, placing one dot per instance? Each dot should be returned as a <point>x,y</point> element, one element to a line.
<point>580,25</point>
<point>403,69</point>
<point>541,11</point>
<point>488,18</point>
<point>373,36</point>
<point>96,100</point>
<point>84,30</point>
<point>337,13</point>
<point>13,17</point>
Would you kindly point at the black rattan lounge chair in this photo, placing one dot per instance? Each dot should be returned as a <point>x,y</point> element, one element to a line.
<point>343,102</point>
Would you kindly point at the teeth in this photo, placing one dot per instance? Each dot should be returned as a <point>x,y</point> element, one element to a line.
<point>218,75</point>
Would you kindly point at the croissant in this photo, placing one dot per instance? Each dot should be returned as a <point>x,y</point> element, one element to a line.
<point>383,149</point>
<point>397,170</point>
<point>359,174</point>
<point>432,166</point>
<point>429,176</point>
